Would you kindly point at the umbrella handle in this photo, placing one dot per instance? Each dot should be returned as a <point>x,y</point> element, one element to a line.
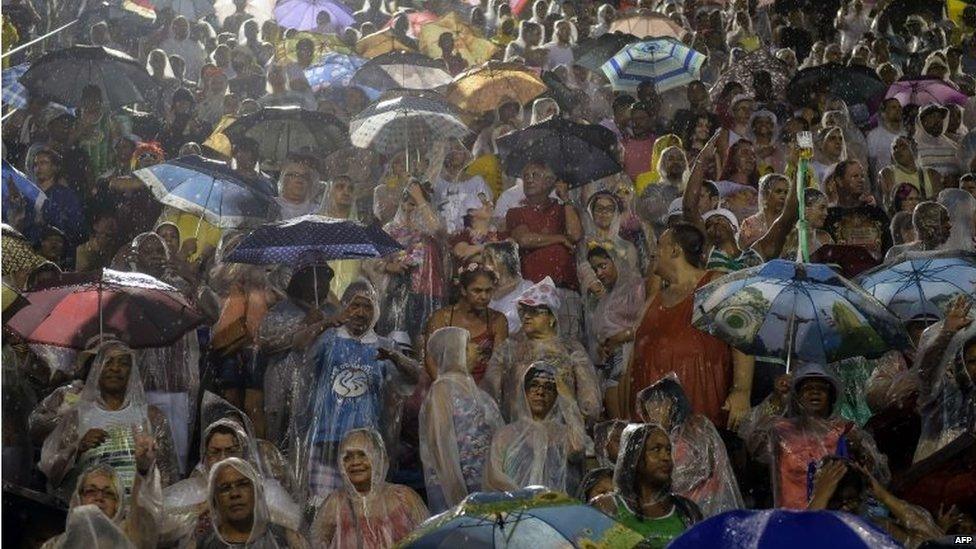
<point>213,182</point>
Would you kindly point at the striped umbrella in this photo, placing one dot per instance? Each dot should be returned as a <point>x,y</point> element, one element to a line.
<point>664,61</point>
<point>395,124</point>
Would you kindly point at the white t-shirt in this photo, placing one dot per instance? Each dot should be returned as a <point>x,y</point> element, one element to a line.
<point>450,198</point>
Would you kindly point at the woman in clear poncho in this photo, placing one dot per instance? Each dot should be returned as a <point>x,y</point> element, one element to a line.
<point>702,471</point>
<point>101,428</point>
<point>544,445</point>
<point>366,512</point>
<point>239,512</point>
<point>539,339</point>
<point>457,421</point>
<point>602,228</point>
<point>962,213</point>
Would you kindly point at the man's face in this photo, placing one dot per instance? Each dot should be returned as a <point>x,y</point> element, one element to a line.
<point>359,315</point>
<point>295,184</point>
<point>541,395</point>
<point>52,248</point>
<point>235,495</point>
<point>340,192</point>
<point>814,396</point>
<point>933,122</point>
<point>834,144</point>
<point>853,181</point>
<point>98,489</point>
<point>640,122</point>
<point>674,164</point>
<point>220,447</point>
<point>892,112</point>
<point>44,167</point>
<point>305,51</point>
<point>776,197</point>
<point>115,373</point>
<point>538,180</point>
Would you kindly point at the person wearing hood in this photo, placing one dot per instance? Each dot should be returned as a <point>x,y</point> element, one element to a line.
<point>702,469</point>
<point>296,189</point>
<point>644,500</point>
<point>797,425</point>
<point>350,382</point>
<point>503,258</point>
<point>904,168</point>
<point>935,150</point>
<point>239,512</point>
<point>545,442</point>
<point>932,225</point>
<point>102,428</point>
<point>961,206</point>
<point>539,339</point>
<point>454,187</point>
<point>529,37</point>
<point>605,15</point>
<point>366,511</point>
<point>457,422</point>
<point>601,227</point>
<point>772,197</point>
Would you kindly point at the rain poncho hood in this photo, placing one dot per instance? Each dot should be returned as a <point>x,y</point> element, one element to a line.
<point>457,421</point>
<point>542,294</point>
<point>962,213</point>
<point>260,536</point>
<point>88,527</point>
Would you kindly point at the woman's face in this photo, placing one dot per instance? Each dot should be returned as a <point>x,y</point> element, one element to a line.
<point>603,211</point>
<point>816,214</point>
<point>358,468</point>
<point>776,197</point>
<point>98,489</point>
<point>656,463</point>
<point>537,321</point>
<point>833,145</point>
<point>170,236</point>
<point>477,294</point>
<point>114,377</point>
<point>910,201</point>
<point>605,270</point>
<point>541,394</point>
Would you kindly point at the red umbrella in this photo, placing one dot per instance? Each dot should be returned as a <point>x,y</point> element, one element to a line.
<point>139,310</point>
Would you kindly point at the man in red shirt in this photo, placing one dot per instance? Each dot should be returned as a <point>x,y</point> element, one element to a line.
<point>547,231</point>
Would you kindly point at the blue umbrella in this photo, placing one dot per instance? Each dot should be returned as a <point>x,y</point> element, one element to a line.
<point>775,528</point>
<point>14,93</point>
<point>335,69</point>
<point>209,189</point>
<point>922,283</point>
<point>312,239</point>
<point>16,187</point>
<point>802,311</point>
<point>664,61</point>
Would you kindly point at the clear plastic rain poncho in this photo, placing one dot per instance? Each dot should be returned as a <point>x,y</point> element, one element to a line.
<point>375,518</point>
<point>531,452</point>
<point>344,386</point>
<point>88,527</point>
<point>947,400</point>
<point>264,534</point>
<point>457,422</point>
<point>702,471</point>
<point>60,459</point>
<point>962,213</point>
<point>793,441</point>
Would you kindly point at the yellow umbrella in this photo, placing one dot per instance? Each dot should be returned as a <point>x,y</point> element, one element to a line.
<point>484,88</point>
<point>645,23</point>
<point>13,301</point>
<point>468,42</point>
<point>217,140</point>
<point>378,43</point>
<point>286,50</point>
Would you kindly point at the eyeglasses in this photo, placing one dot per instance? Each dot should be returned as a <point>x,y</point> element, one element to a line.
<point>92,492</point>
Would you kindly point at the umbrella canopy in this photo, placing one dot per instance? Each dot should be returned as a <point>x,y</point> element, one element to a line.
<point>485,88</point>
<point>61,75</point>
<point>469,43</point>
<point>398,69</point>
<point>531,517</point>
<point>17,186</point>
<point>259,10</point>
<point>852,83</point>
<point>14,93</point>
<point>335,69</point>
<point>766,529</point>
<point>924,91</point>
<point>802,311</point>
<point>646,23</point>
<point>743,70</point>
<point>592,53</point>
<point>416,20</point>
<point>13,301</point>
<point>394,124</point>
<point>280,131</point>
<point>378,43</point>
<point>286,51</point>
<point>577,153</point>
<point>312,239</point>
<point>302,14</point>
<point>664,61</point>
<point>209,189</point>
<point>922,283</point>
<point>18,254</point>
<point>138,309</point>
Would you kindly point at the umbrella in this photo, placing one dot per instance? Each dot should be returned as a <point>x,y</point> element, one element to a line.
<point>852,83</point>
<point>802,311</point>
<point>398,69</point>
<point>259,10</point>
<point>924,91</point>
<point>18,254</point>
<point>416,19</point>
<point>744,68</point>
<point>286,51</point>
<point>592,53</point>
<point>302,14</point>
<point>578,153</point>
<point>335,69</point>
<point>469,43</point>
<point>378,43</point>
<point>138,309</point>
<point>312,239</point>
<point>13,301</point>
<point>280,131</point>
<point>14,93</point>
<point>486,87</point>
<point>664,61</point>
<point>17,185</point>
<point>61,75</point>
<point>922,282</point>
<point>849,259</point>
<point>769,528</point>
<point>645,23</point>
<point>209,189</point>
<point>134,15</point>
<point>530,517</point>
<point>394,124</point>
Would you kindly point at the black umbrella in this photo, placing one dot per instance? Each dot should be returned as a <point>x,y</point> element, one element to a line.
<point>61,75</point>
<point>280,131</point>
<point>743,70</point>
<point>854,84</point>
<point>401,69</point>
<point>594,52</point>
<point>578,153</point>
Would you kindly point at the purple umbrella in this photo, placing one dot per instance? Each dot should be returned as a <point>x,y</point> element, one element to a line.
<point>924,91</point>
<point>301,14</point>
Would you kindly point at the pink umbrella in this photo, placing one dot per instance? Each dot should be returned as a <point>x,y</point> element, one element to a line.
<point>417,19</point>
<point>924,91</point>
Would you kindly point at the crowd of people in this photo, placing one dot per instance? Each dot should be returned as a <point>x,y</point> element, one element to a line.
<point>529,332</point>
